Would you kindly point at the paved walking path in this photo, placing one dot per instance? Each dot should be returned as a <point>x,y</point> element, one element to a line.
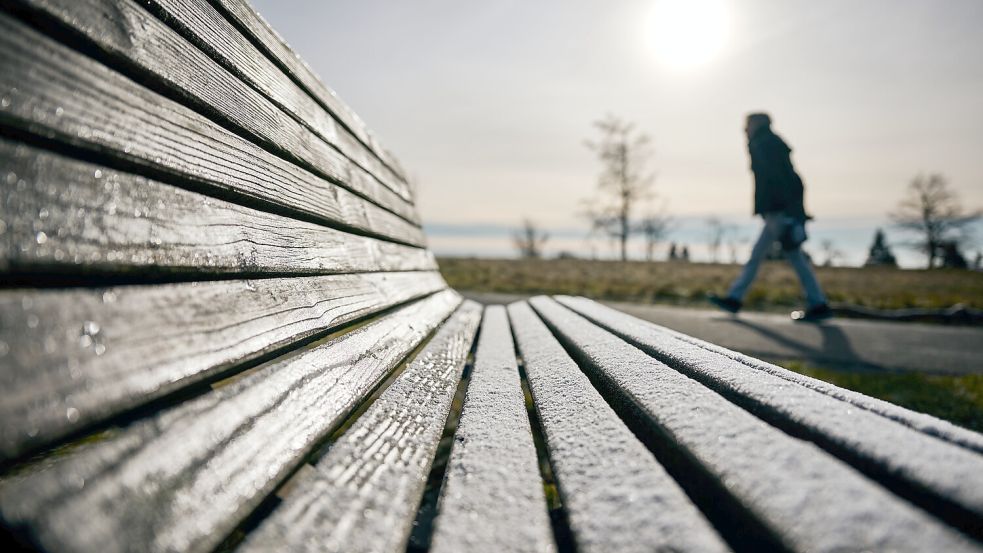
<point>848,343</point>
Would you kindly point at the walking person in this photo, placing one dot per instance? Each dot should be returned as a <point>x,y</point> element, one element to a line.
<point>778,195</point>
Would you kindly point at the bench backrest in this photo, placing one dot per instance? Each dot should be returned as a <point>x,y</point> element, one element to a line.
<point>182,200</point>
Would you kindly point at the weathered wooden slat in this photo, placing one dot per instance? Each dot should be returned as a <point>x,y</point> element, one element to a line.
<point>364,493</point>
<point>921,422</point>
<point>805,498</point>
<point>253,25</point>
<point>617,496</point>
<point>492,499</point>
<point>134,38</point>
<point>948,476</point>
<point>62,216</point>
<point>199,22</point>
<point>932,426</point>
<point>183,479</point>
<point>75,357</point>
<point>56,93</point>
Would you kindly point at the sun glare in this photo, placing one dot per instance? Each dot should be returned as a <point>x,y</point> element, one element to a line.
<point>687,33</point>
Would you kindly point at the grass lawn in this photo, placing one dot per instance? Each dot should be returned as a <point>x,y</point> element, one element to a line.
<point>688,283</point>
<point>957,399</point>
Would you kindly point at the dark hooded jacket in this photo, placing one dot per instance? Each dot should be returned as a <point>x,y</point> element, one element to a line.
<point>777,187</point>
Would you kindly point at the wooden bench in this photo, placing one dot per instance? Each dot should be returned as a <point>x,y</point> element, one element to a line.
<point>221,329</point>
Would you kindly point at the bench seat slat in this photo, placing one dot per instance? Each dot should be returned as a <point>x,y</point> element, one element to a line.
<point>255,28</point>
<point>79,356</point>
<point>949,474</point>
<point>927,424</point>
<point>617,496</point>
<point>162,56</point>
<point>183,480</point>
<point>493,499</point>
<point>807,499</point>
<point>200,23</point>
<point>65,216</point>
<point>364,493</point>
<point>59,95</point>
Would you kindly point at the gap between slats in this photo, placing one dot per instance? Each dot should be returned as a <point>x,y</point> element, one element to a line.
<point>320,449</point>
<point>740,528</point>
<point>559,518</point>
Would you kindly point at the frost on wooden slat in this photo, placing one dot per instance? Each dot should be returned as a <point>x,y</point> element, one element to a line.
<point>186,477</point>
<point>921,422</point>
<point>54,92</point>
<point>68,217</point>
<point>74,357</point>
<point>135,40</point>
<point>493,499</point>
<point>617,497</point>
<point>805,498</point>
<point>946,472</point>
<point>363,495</point>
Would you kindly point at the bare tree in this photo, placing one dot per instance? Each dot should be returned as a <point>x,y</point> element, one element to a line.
<point>624,153</point>
<point>654,226</point>
<point>734,245</point>
<point>830,253</point>
<point>933,211</point>
<point>717,232</point>
<point>529,240</point>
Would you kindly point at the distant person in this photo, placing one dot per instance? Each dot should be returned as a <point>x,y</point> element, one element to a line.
<point>778,199</point>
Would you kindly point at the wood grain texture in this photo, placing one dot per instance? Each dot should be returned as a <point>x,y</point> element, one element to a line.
<point>67,217</point>
<point>138,43</point>
<point>492,499</point>
<point>616,495</point>
<point>946,474</point>
<point>259,31</point>
<point>807,499</point>
<point>200,23</point>
<point>183,479</point>
<point>364,494</point>
<point>77,356</point>
<point>56,93</point>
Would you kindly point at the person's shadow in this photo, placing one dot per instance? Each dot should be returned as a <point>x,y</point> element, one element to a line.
<point>835,347</point>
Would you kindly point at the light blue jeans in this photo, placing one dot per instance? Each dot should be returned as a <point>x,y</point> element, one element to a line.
<point>774,225</point>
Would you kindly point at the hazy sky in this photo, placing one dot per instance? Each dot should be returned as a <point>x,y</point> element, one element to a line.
<point>487,104</point>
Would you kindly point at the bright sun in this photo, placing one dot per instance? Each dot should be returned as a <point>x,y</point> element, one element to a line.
<point>687,33</point>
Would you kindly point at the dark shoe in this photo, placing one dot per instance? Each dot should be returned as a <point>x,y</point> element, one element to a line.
<point>814,314</point>
<point>729,305</point>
